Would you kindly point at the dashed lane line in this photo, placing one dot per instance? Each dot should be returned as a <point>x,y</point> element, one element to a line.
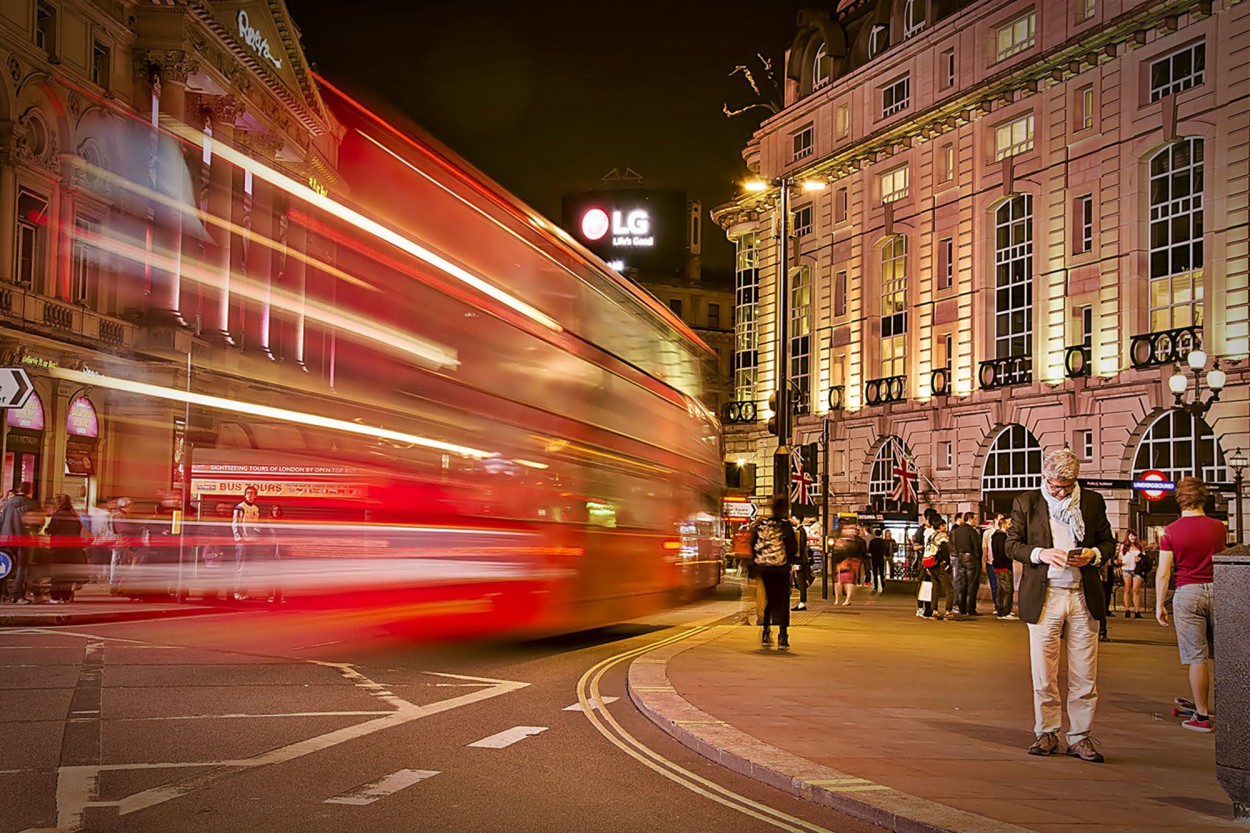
<point>508,737</point>
<point>393,783</point>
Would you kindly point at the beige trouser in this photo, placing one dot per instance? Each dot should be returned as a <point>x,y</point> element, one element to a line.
<point>1064,607</point>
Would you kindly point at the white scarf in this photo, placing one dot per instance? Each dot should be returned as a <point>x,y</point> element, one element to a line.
<point>1067,511</point>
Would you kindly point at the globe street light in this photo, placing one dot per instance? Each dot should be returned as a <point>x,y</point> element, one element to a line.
<point>1178,384</point>
<point>1237,462</point>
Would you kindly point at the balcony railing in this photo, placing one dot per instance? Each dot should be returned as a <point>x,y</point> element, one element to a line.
<point>1164,347</point>
<point>1076,361</point>
<point>739,413</point>
<point>887,389</point>
<point>940,381</point>
<point>1001,373</point>
<point>55,315</point>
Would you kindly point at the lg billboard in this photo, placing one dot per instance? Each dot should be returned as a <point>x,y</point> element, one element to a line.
<point>640,228</point>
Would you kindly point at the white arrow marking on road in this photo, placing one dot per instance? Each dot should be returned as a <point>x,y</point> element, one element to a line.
<point>393,783</point>
<point>508,737</point>
<point>594,704</point>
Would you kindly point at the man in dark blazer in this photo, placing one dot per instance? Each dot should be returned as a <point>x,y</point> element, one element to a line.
<point>1061,535</point>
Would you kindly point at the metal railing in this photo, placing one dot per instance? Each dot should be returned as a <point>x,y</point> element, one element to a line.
<point>1076,361</point>
<point>1005,372</point>
<point>886,389</point>
<point>1164,347</point>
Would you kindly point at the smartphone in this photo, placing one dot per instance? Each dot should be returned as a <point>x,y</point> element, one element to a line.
<point>1074,553</point>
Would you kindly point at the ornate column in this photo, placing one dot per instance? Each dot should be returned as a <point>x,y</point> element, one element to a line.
<point>8,199</point>
<point>219,114</point>
<point>66,229</point>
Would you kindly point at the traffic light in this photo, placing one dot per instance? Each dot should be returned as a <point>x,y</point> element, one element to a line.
<point>772,420</point>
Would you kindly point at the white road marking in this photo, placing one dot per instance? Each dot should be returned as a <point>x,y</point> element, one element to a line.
<point>508,737</point>
<point>243,716</point>
<point>594,704</point>
<point>393,783</point>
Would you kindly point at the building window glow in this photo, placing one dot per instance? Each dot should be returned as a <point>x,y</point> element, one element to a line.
<point>1013,278</point>
<point>822,68</point>
<point>896,97</point>
<point>801,334</point>
<point>842,120</point>
<point>1178,71</point>
<point>1181,446</point>
<point>1175,233</point>
<point>894,307</point>
<point>746,299</point>
<point>1013,137</point>
<point>803,221</point>
<point>802,143</point>
<point>1086,105</point>
<point>1014,463</point>
<point>1018,35</point>
<point>894,184</point>
<point>890,456</point>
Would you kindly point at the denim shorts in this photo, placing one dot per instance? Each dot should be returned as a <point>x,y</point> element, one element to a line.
<point>1194,609</point>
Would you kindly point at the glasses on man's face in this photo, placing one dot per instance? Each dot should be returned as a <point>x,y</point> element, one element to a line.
<point>1060,489</point>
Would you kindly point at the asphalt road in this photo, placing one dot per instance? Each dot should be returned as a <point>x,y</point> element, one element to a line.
<point>286,720</point>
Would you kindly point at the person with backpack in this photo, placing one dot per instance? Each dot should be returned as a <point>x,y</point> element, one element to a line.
<point>776,548</point>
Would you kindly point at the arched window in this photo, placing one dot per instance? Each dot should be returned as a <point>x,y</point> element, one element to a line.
<point>913,17</point>
<point>1012,465</point>
<point>1013,278</point>
<point>1176,236</point>
<point>878,40</point>
<point>822,68</point>
<point>801,335</point>
<point>746,298</point>
<point>894,307</point>
<point>892,455</point>
<point>1180,445</point>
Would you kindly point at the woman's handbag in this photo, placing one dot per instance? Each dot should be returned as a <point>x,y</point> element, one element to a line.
<point>926,592</point>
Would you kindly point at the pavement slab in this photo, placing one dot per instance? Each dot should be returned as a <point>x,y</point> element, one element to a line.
<point>922,725</point>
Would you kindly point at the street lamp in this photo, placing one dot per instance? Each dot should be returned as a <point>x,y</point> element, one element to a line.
<point>1237,462</point>
<point>1179,384</point>
<point>782,410</point>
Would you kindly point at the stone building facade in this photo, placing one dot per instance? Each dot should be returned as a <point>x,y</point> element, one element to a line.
<point>92,100</point>
<point>1031,213</point>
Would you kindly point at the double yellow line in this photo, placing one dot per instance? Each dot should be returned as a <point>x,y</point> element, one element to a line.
<point>588,695</point>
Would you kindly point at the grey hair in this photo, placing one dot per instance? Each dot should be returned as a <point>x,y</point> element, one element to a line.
<point>1061,464</point>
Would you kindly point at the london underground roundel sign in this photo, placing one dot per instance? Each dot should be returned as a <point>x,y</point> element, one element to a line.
<point>595,224</point>
<point>1144,485</point>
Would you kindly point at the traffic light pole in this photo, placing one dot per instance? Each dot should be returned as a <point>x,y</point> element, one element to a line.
<point>781,460</point>
<point>824,509</point>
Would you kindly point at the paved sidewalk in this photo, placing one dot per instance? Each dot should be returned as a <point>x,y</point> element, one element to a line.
<point>923,725</point>
<point>93,605</point>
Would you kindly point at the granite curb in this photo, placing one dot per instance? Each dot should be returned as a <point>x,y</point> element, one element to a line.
<point>653,693</point>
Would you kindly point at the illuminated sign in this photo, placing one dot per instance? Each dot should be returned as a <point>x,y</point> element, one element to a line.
<point>1154,485</point>
<point>279,489</point>
<point>254,39</point>
<point>316,185</point>
<point>30,417</point>
<point>82,420</point>
<point>630,229</point>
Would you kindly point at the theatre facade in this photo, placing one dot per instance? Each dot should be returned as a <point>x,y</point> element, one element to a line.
<point>1026,218</point>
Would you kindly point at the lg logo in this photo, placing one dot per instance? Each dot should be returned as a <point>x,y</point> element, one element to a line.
<point>595,224</point>
<point>626,227</point>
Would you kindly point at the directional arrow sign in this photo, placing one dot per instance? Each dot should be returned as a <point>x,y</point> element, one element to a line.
<point>15,387</point>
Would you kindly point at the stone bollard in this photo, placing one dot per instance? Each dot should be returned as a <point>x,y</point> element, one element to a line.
<point>1232,677</point>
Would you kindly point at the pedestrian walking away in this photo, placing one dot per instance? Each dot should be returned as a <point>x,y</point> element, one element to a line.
<point>19,519</point>
<point>878,552</point>
<point>1061,536</point>
<point>1189,544</point>
<point>775,548</point>
<point>966,540</point>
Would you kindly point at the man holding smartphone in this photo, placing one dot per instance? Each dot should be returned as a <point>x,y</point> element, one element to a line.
<point>1061,535</point>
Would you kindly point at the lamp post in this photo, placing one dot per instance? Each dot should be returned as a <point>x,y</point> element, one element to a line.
<point>1237,462</point>
<point>1178,384</point>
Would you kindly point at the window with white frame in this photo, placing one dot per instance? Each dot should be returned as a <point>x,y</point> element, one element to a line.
<point>1085,103</point>
<point>946,455</point>
<point>746,300</point>
<point>892,454</point>
<point>1015,136</point>
<point>801,333</point>
<point>1175,234</point>
<point>802,143</point>
<point>948,68</point>
<point>839,293</point>
<point>1088,8</point>
<point>946,263</point>
<point>32,239</point>
<point>914,18</point>
<point>894,307</point>
<point>1017,36</point>
<point>896,96</point>
<point>948,351</point>
<point>803,221</point>
<point>45,26</point>
<point>1013,278</point>
<point>1083,323</point>
<point>894,184</point>
<point>822,68</point>
<point>1180,445</point>
<point>948,162</point>
<point>842,120</point>
<point>1013,463</point>
<point>85,261</point>
<point>878,40</point>
<point>1085,442</point>
<point>1178,71</point>
<point>101,63</point>
<point>1083,217</point>
<point>840,198</point>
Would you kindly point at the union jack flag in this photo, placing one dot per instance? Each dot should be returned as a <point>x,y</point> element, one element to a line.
<point>801,481</point>
<point>904,490</point>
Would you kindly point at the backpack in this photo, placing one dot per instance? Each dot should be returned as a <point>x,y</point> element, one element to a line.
<point>770,545</point>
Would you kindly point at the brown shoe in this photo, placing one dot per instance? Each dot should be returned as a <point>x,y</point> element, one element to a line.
<point>1084,749</point>
<point>1046,744</point>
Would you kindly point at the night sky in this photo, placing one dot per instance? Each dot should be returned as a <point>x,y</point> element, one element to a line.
<point>548,97</point>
